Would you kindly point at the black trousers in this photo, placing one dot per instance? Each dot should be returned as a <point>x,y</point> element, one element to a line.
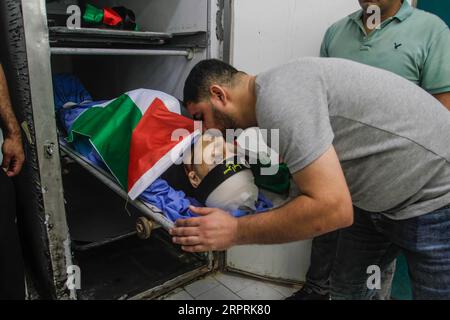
<point>12,282</point>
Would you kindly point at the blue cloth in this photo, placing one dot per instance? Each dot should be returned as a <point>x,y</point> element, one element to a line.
<point>68,88</point>
<point>82,145</point>
<point>175,204</point>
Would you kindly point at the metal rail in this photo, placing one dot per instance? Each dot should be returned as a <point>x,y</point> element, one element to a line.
<point>146,209</point>
<point>109,33</point>
<point>121,52</point>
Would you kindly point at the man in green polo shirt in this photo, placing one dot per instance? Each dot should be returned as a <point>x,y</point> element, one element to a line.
<point>409,42</point>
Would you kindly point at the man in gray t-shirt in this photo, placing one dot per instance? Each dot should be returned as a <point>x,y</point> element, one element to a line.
<point>350,134</point>
<point>391,138</point>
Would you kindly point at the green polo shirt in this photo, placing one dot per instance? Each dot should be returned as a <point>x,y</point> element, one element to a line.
<point>413,44</point>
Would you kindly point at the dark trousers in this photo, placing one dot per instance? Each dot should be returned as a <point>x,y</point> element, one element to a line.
<point>12,283</point>
<point>375,240</point>
<point>323,255</point>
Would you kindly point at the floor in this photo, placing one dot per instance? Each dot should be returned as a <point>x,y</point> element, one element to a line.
<point>228,286</point>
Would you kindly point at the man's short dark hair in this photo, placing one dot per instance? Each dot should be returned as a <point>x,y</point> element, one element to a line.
<point>203,75</point>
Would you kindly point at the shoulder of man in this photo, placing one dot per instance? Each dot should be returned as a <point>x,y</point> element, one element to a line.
<point>300,67</point>
<point>340,24</point>
<point>429,21</point>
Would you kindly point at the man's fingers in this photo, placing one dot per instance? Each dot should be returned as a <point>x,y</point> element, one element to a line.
<point>14,167</point>
<point>196,248</point>
<point>191,222</point>
<point>187,241</point>
<point>13,156</point>
<point>20,162</point>
<point>6,161</point>
<point>185,231</point>
<point>201,211</point>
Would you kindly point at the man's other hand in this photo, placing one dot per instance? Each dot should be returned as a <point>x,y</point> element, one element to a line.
<point>215,229</point>
<point>13,156</point>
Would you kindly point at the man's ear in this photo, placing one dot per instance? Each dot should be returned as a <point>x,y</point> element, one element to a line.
<point>194,179</point>
<point>218,95</point>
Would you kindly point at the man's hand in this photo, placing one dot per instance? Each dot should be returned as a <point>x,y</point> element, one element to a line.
<point>13,156</point>
<point>12,148</point>
<point>444,98</point>
<point>215,230</point>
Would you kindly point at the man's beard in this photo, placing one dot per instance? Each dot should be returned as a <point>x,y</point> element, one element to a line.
<point>366,5</point>
<point>223,120</point>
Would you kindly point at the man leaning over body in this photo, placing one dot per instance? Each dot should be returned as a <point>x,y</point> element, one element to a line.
<point>409,42</point>
<point>382,173</point>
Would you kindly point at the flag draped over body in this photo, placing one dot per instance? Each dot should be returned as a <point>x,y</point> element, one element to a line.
<point>134,136</point>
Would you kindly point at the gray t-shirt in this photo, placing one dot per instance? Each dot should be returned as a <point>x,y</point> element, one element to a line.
<point>392,138</point>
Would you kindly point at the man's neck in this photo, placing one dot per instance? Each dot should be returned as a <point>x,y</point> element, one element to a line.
<point>385,14</point>
<point>251,102</point>
<point>248,102</point>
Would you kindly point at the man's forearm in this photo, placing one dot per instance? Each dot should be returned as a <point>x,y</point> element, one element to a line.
<point>8,119</point>
<point>444,98</point>
<point>302,218</point>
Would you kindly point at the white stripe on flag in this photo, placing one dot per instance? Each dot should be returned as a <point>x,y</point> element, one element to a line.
<point>143,98</point>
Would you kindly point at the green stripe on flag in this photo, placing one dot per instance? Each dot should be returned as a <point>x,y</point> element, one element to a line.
<point>93,15</point>
<point>109,129</point>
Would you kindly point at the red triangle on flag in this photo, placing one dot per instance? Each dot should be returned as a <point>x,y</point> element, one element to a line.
<point>111,17</point>
<point>151,143</point>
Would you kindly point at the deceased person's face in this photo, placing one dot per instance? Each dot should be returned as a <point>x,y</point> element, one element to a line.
<point>236,189</point>
<point>206,154</point>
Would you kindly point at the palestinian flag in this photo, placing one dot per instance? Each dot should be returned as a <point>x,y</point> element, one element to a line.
<point>133,134</point>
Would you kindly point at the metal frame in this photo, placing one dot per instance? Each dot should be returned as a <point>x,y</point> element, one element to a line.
<point>171,284</point>
<point>146,209</point>
<point>121,52</point>
<point>227,29</point>
<point>37,47</point>
<point>150,212</point>
<point>39,66</point>
<point>101,243</point>
<point>260,277</point>
<point>111,32</point>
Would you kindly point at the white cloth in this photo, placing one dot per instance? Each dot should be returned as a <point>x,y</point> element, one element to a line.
<point>237,192</point>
